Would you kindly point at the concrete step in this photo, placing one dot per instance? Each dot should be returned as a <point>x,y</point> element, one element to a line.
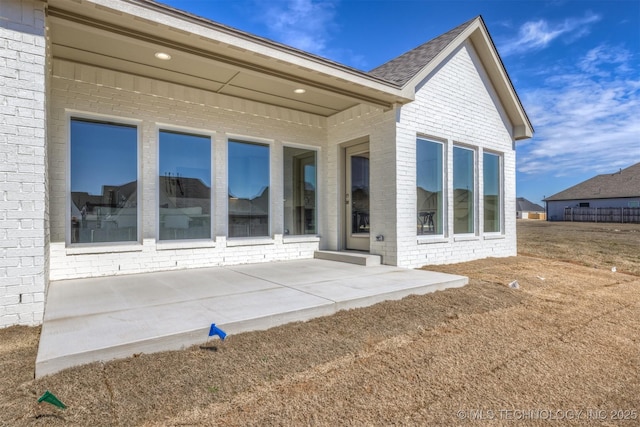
<point>358,258</point>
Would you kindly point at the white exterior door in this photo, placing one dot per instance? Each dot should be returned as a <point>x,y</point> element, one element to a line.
<point>357,197</point>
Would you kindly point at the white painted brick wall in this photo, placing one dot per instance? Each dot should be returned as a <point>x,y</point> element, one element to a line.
<point>378,127</point>
<point>23,203</point>
<point>94,91</point>
<point>456,105</point>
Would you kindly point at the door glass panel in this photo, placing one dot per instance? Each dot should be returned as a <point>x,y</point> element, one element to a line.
<point>360,193</point>
<point>299,191</point>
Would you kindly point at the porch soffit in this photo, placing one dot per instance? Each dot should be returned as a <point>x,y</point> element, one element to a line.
<point>89,33</point>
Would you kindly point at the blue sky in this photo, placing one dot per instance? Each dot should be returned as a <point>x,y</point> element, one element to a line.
<point>575,65</point>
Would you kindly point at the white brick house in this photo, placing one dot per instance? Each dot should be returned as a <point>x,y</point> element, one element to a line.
<point>136,138</point>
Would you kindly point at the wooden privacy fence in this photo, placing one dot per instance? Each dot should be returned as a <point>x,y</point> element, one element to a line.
<point>622,215</point>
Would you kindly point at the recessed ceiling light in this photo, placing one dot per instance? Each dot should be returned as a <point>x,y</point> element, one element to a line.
<point>162,55</point>
<point>299,90</point>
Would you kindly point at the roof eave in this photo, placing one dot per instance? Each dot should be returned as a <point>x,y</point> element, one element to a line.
<point>376,91</point>
<point>486,50</point>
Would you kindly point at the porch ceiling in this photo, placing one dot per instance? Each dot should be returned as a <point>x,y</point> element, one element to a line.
<point>92,34</point>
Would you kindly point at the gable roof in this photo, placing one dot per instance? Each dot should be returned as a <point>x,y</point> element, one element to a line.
<point>625,183</point>
<point>402,69</point>
<point>410,68</point>
<point>524,205</point>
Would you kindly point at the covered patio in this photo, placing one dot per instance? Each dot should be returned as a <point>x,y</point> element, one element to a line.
<point>100,319</point>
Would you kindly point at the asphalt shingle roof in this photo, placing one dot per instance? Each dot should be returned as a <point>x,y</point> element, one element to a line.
<point>625,183</point>
<point>403,68</point>
<point>524,205</point>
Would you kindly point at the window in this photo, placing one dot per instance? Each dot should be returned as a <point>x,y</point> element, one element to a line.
<point>104,182</point>
<point>184,186</point>
<point>429,186</point>
<point>492,200</point>
<point>463,190</point>
<point>299,191</point>
<point>583,204</point>
<point>248,189</point>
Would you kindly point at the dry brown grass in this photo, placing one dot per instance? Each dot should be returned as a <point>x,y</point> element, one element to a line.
<point>568,339</point>
<point>593,245</point>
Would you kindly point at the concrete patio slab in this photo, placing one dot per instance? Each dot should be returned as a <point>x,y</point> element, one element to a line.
<point>99,319</point>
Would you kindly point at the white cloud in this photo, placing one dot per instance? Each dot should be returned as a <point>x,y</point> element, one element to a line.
<point>602,55</point>
<point>586,118</point>
<point>304,24</point>
<point>536,35</point>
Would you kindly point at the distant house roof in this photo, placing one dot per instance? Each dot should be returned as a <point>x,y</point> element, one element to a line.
<point>524,205</point>
<point>403,68</point>
<point>625,183</point>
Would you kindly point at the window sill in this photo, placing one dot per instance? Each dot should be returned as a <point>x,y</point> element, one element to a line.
<point>310,238</point>
<point>249,241</point>
<point>466,238</point>
<point>184,244</point>
<point>493,236</point>
<point>88,249</point>
<point>432,239</point>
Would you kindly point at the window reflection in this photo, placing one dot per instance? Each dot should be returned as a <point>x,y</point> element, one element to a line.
<point>103,174</point>
<point>491,173</point>
<point>248,189</point>
<point>299,191</point>
<point>185,186</point>
<point>429,187</point>
<point>463,190</point>
<point>360,194</point>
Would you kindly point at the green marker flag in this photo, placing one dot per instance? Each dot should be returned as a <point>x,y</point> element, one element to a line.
<point>51,398</point>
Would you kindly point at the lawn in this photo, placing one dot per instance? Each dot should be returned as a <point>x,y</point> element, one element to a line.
<point>563,348</point>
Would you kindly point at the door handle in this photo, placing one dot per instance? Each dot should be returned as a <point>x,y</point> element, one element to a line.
<point>347,199</point>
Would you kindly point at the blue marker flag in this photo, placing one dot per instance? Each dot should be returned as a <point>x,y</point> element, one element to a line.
<point>217,331</point>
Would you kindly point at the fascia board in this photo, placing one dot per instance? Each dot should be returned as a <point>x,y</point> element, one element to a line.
<point>479,37</point>
<point>483,44</point>
<point>408,89</point>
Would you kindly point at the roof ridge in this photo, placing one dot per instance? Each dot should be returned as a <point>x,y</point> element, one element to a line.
<point>404,67</point>
<point>621,184</point>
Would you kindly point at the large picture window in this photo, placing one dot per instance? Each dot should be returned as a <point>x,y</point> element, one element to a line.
<point>104,182</point>
<point>463,186</point>
<point>299,191</point>
<point>429,187</point>
<point>248,189</point>
<point>492,202</point>
<point>184,186</point>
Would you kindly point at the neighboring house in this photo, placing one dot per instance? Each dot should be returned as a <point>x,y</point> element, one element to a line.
<point>618,191</point>
<point>528,210</point>
<point>138,138</point>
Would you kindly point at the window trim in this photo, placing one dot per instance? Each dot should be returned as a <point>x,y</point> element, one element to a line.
<point>476,183</point>
<point>317,155</point>
<point>71,114</point>
<point>437,238</point>
<point>185,243</point>
<point>500,192</point>
<point>243,139</point>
